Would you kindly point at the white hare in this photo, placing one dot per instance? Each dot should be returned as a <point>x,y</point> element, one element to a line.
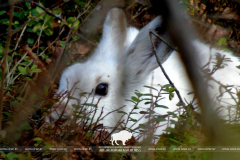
<point>123,62</point>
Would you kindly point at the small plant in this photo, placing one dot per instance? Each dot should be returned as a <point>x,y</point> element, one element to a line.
<point>42,32</point>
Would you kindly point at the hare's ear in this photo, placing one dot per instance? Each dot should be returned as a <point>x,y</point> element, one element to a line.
<point>114,33</point>
<point>140,55</point>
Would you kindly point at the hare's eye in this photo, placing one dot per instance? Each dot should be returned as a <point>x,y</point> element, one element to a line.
<point>102,89</point>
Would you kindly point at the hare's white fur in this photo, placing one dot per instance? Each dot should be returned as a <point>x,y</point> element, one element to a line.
<point>124,60</point>
<point>229,75</point>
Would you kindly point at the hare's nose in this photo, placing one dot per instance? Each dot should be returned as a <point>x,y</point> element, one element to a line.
<point>102,89</point>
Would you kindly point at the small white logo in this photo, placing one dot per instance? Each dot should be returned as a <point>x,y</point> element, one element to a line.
<point>121,136</point>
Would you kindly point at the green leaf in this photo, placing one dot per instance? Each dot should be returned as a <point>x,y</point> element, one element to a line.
<point>81,3</point>
<point>15,103</point>
<point>131,119</point>
<point>147,103</point>
<point>36,11</point>
<point>18,7</point>
<point>62,43</point>
<point>221,41</point>
<point>27,79</point>
<point>22,15</point>
<point>75,106</point>
<point>130,101</point>
<point>147,95</point>
<point>169,89</point>
<point>150,87</point>
<point>135,99</point>
<point>57,11</point>
<point>16,22</point>
<point>46,153</point>
<point>1,50</point>
<point>89,134</point>
<point>47,144</point>
<point>37,139</point>
<point>19,15</point>
<point>238,67</point>
<point>33,67</point>
<point>2,12</point>
<point>135,107</point>
<point>11,96</point>
<point>25,126</point>
<point>25,64</point>
<point>151,112</point>
<point>183,116</point>
<point>171,95</point>
<point>5,21</point>
<point>30,40</point>
<point>167,85</point>
<point>44,56</point>
<point>30,24</point>
<point>71,97</point>
<point>192,140</point>
<point>160,119</point>
<point>39,10</point>
<point>90,104</point>
<point>8,88</point>
<point>36,70</point>
<point>134,113</point>
<point>45,90</point>
<point>37,28</point>
<point>148,116</point>
<point>160,106</point>
<point>20,99</point>
<point>144,126</point>
<point>2,153</point>
<point>48,31</point>
<point>143,112</point>
<point>172,113</point>
<point>122,112</point>
<point>147,99</point>
<point>173,122</point>
<point>138,94</point>
<point>7,113</point>
<point>28,5</point>
<point>175,141</point>
<point>22,70</point>
<point>70,20</point>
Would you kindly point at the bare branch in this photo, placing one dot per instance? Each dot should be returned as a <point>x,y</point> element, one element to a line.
<point>160,65</point>
<point>4,63</point>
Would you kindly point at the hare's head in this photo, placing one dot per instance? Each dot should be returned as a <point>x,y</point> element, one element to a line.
<point>119,65</point>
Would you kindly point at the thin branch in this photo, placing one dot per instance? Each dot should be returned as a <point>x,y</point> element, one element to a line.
<point>41,14</point>
<point>56,68</point>
<point>48,11</point>
<point>79,16</point>
<point>39,37</point>
<point>162,39</point>
<point>160,65</point>
<point>129,114</point>
<point>14,68</point>
<point>18,41</point>
<point>95,111</point>
<point>3,65</point>
<point>112,112</point>
<point>52,42</point>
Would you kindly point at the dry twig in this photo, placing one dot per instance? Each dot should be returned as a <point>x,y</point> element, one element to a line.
<point>4,63</point>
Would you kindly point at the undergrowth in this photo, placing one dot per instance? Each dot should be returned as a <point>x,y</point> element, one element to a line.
<point>45,32</point>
